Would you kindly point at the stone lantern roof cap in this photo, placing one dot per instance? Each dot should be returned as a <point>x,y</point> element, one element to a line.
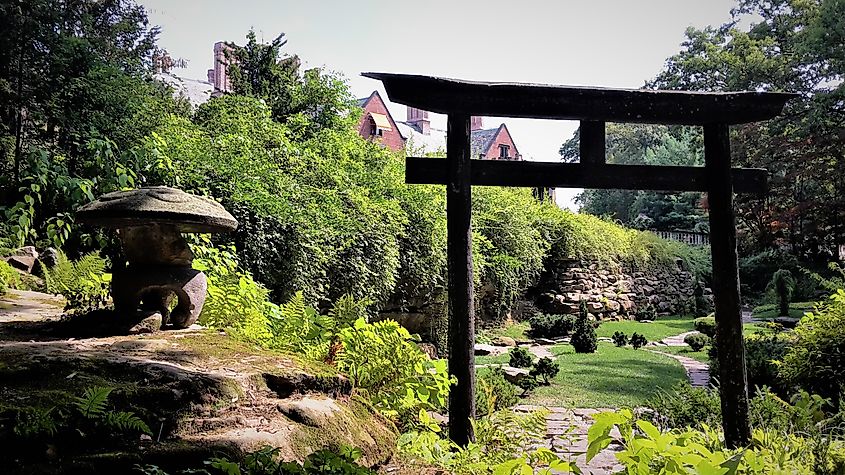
<point>157,205</point>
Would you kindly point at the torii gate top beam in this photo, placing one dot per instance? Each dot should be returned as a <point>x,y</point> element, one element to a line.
<point>541,101</point>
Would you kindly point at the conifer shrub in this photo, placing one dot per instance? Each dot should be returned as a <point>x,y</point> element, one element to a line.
<point>545,369</point>
<point>520,357</point>
<point>620,339</point>
<point>584,338</point>
<point>638,341</point>
<point>645,312</point>
<point>782,286</point>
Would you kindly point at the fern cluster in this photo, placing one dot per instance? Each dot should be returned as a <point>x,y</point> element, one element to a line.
<point>84,283</point>
<point>85,414</point>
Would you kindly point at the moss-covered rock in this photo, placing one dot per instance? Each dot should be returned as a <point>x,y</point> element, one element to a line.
<point>201,393</point>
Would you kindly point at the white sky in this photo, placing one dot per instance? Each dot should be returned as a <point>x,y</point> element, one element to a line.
<point>616,43</point>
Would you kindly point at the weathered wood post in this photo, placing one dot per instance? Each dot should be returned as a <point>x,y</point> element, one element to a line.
<point>732,377</point>
<point>461,292</point>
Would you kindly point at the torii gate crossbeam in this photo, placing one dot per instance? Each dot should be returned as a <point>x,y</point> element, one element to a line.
<point>460,100</point>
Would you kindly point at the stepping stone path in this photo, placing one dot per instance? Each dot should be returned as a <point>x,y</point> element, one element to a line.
<point>697,372</point>
<point>566,435</point>
<point>677,340</point>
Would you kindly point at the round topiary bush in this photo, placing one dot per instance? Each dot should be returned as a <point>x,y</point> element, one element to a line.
<point>697,341</point>
<point>706,325</point>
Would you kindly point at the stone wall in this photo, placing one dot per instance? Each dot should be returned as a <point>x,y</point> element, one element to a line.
<point>615,294</point>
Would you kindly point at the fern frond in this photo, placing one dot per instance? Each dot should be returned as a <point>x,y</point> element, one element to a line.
<point>92,404</point>
<point>125,421</point>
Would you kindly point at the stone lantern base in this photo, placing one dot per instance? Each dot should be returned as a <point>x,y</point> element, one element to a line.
<point>151,288</point>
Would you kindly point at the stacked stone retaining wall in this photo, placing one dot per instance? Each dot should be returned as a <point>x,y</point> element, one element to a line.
<point>616,293</point>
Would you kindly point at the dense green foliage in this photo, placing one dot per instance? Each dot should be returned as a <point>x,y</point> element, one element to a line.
<point>762,352</point>
<point>267,461</point>
<point>493,392</point>
<point>815,361</point>
<point>647,449</point>
<point>584,338</point>
<point>8,277</point>
<point>684,406</point>
<point>796,47</point>
<point>84,283</point>
<point>86,415</point>
<point>651,145</point>
<point>501,446</point>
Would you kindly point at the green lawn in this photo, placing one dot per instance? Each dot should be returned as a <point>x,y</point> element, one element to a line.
<point>796,310</point>
<point>611,377</point>
<point>654,331</point>
<point>500,359</point>
<point>515,330</point>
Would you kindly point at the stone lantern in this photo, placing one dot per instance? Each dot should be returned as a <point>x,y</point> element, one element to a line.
<point>150,222</point>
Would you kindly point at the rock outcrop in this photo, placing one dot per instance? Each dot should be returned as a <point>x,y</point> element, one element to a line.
<point>201,392</point>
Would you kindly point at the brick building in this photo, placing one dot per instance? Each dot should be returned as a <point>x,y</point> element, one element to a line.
<point>417,136</point>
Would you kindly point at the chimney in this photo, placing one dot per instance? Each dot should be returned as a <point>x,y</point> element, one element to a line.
<point>475,123</point>
<point>418,119</point>
<point>210,76</point>
<point>221,77</point>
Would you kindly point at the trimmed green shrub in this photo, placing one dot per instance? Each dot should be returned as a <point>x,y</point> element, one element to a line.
<point>706,325</point>
<point>638,341</point>
<point>619,339</point>
<point>551,325</point>
<point>816,360</point>
<point>493,392</point>
<point>685,406</point>
<point>761,353</point>
<point>520,357</point>
<point>545,369</point>
<point>584,338</point>
<point>697,341</point>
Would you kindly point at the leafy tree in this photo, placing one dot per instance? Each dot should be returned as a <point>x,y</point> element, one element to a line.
<point>653,145</point>
<point>307,101</point>
<point>792,46</point>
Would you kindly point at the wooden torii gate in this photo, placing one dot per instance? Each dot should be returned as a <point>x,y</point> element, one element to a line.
<point>593,107</point>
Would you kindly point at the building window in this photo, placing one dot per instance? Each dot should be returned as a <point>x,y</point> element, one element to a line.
<point>503,151</point>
